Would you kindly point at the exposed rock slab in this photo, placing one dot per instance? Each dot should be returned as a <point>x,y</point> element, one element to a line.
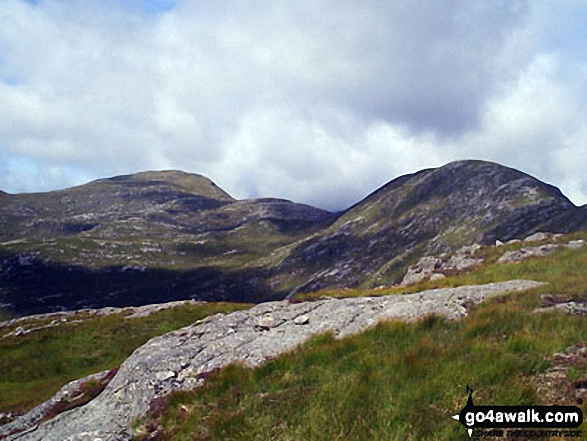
<point>30,323</point>
<point>32,418</point>
<point>179,360</point>
<point>540,251</point>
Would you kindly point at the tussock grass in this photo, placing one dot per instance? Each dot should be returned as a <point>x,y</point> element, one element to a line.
<point>35,366</point>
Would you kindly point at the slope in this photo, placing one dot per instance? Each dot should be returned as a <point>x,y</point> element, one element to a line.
<point>137,239</point>
<point>429,212</point>
<point>162,236</point>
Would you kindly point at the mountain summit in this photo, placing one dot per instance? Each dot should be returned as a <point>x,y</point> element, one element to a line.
<point>428,212</point>
<point>160,236</point>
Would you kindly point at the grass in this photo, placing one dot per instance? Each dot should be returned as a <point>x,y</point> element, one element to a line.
<point>35,366</point>
<point>564,270</point>
<point>397,381</point>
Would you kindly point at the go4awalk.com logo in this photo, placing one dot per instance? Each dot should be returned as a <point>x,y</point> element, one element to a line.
<point>547,421</point>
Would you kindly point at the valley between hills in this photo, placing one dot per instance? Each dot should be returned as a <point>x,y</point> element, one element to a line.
<point>163,236</point>
<point>287,321</point>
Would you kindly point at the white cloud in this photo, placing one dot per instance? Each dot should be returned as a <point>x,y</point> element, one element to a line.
<point>318,102</point>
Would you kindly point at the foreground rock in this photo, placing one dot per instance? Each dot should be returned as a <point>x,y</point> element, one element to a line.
<point>180,360</point>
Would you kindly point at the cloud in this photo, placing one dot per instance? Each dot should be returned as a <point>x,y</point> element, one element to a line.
<point>319,102</point>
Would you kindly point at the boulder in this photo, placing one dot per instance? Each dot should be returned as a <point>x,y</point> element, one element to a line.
<point>537,237</point>
<point>437,276</point>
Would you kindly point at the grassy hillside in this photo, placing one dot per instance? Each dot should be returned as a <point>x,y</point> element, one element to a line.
<point>35,366</point>
<point>161,236</point>
<point>398,381</point>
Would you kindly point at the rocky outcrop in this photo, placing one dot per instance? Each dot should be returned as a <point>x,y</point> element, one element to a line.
<point>540,251</point>
<point>436,268</point>
<point>25,325</point>
<point>562,303</point>
<point>181,359</point>
<point>558,385</point>
<point>71,392</point>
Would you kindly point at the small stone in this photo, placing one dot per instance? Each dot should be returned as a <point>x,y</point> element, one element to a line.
<point>302,320</point>
<point>266,322</point>
<point>165,375</point>
<point>19,331</point>
<point>576,243</point>
<point>499,243</point>
<point>437,276</point>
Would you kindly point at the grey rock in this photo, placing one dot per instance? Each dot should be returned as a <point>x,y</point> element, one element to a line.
<point>437,276</point>
<point>191,352</point>
<point>30,323</point>
<point>525,253</point>
<point>434,268</point>
<point>30,420</point>
<point>537,237</point>
<point>576,244</point>
<point>570,308</point>
<point>266,322</point>
<point>302,320</point>
<point>540,251</point>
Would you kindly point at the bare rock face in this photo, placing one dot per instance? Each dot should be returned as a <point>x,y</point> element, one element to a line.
<point>180,360</point>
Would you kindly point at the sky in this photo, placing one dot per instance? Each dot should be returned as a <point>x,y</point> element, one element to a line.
<point>316,102</point>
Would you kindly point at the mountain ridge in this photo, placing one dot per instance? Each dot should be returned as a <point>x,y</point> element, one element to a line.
<point>170,235</point>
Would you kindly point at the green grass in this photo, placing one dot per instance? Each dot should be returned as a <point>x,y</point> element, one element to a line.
<point>397,381</point>
<point>35,366</point>
<point>564,270</point>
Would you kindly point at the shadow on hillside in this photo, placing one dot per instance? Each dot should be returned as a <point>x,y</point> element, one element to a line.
<point>29,286</point>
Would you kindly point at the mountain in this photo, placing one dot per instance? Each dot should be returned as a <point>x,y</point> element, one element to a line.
<point>145,203</point>
<point>161,236</point>
<point>428,212</point>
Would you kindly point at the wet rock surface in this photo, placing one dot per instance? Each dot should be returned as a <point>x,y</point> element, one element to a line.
<point>180,360</point>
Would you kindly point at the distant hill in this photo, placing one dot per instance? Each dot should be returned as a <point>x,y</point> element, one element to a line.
<point>428,212</point>
<point>159,236</point>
